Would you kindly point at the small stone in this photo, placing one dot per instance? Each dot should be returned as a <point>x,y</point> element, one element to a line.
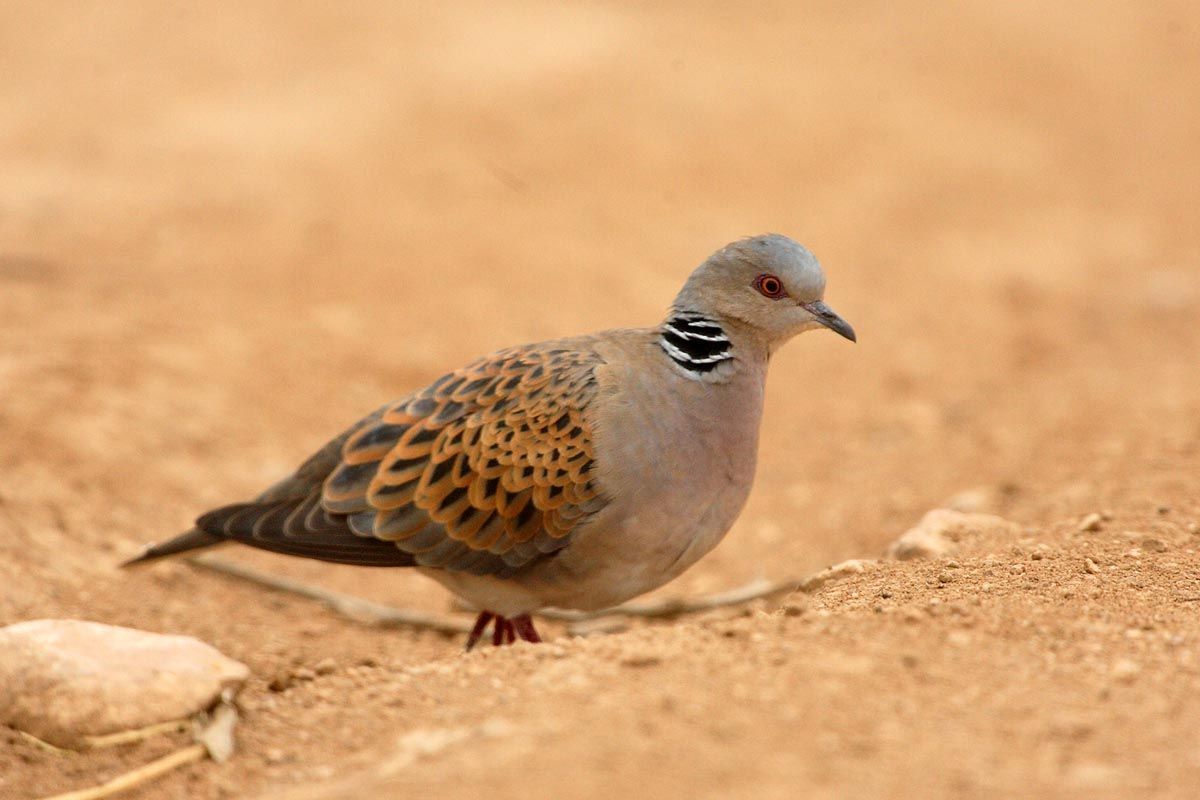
<point>1090,567</point>
<point>326,666</point>
<point>945,577</point>
<point>1125,671</point>
<point>303,674</point>
<point>1151,545</point>
<point>638,660</point>
<point>275,755</point>
<point>217,733</point>
<point>958,638</point>
<point>1091,523</point>
<point>845,569</point>
<point>1193,527</point>
<point>1163,509</point>
<point>972,501</point>
<point>65,680</point>
<point>942,531</point>
<point>281,682</point>
<point>794,609</point>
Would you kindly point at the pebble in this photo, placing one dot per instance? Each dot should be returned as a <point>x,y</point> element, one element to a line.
<point>1091,523</point>
<point>64,680</point>
<point>972,500</point>
<point>794,609</point>
<point>286,680</point>
<point>1090,567</point>
<point>845,569</point>
<point>941,532</point>
<point>638,660</point>
<point>275,755</point>
<point>1125,671</point>
<point>326,666</point>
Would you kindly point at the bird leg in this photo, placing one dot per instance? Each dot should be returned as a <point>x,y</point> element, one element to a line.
<point>525,629</point>
<point>481,624</point>
<point>504,631</point>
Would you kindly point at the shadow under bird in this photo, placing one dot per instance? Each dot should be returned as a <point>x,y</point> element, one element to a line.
<point>575,473</point>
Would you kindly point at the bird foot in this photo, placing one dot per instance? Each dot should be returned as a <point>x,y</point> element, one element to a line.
<point>504,631</point>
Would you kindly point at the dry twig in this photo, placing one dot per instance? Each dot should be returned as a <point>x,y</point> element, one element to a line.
<point>137,777</point>
<point>139,735</point>
<point>214,738</point>
<point>356,608</point>
<point>376,614</point>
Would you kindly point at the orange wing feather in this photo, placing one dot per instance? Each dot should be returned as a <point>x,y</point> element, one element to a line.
<point>485,470</point>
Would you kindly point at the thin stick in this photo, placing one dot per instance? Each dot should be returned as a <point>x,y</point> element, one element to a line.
<point>371,613</point>
<point>677,606</point>
<point>356,608</point>
<point>36,742</point>
<point>137,777</point>
<point>139,735</point>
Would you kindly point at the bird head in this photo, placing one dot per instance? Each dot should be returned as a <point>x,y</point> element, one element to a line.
<point>769,284</point>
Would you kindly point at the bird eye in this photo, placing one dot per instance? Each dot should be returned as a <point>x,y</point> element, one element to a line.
<point>769,286</point>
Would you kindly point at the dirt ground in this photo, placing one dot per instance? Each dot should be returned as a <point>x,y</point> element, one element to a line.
<point>226,234</point>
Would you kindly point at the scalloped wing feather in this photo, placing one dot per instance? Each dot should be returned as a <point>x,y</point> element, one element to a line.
<point>486,470</point>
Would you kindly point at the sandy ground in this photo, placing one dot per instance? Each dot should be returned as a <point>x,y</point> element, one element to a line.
<point>224,235</point>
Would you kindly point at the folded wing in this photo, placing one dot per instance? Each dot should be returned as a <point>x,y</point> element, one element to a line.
<point>485,471</point>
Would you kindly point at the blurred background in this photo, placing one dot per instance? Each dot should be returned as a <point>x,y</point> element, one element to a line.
<point>227,231</point>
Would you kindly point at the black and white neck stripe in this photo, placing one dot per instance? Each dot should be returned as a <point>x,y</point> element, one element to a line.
<point>695,342</point>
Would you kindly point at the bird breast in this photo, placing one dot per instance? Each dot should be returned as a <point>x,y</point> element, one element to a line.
<point>677,458</point>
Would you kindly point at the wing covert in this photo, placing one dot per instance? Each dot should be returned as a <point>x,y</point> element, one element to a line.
<point>485,470</point>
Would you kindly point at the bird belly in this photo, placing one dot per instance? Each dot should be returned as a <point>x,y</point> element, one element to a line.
<point>620,555</point>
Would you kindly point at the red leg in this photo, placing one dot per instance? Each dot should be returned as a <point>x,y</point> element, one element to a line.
<point>510,633</point>
<point>481,623</point>
<point>525,629</point>
<point>498,631</point>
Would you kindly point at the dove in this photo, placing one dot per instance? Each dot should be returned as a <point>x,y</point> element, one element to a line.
<point>574,473</point>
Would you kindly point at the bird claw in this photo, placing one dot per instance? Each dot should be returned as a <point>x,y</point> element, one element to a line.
<point>504,631</point>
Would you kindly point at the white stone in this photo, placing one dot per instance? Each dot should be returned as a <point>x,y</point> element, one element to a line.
<point>63,680</point>
<point>837,572</point>
<point>941,531</point>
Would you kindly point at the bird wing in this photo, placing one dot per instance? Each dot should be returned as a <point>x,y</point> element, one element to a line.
<point>484,471</point>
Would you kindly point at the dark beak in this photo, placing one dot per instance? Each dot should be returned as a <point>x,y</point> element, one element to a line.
<point>829,318</point>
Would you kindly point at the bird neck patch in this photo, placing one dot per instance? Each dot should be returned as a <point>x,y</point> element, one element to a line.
<point>696,343</point>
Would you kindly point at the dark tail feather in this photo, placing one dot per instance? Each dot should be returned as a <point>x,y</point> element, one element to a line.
<point>189,540</point>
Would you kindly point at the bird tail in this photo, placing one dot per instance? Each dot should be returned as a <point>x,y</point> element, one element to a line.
<point>183,543</point>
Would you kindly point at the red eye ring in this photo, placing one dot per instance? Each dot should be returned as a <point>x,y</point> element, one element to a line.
<point>769,286</point>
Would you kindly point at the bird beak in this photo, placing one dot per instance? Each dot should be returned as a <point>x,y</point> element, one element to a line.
<point>829,318</point>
